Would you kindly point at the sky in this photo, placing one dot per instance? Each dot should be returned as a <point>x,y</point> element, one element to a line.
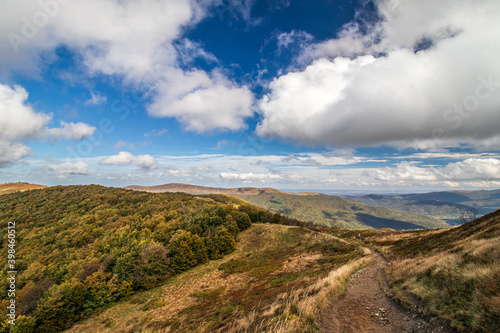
<point>326,95</point>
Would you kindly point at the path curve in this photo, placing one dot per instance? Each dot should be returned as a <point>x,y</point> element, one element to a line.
<point>364,307</point>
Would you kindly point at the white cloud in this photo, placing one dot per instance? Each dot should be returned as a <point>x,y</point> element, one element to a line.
<point>11,152</point>
<point>18,120</point>
<point>121,144</point>
<point>469,170</point>
<point>134,41</point>
<point>65,170</point>
<point>71,131</point>
<point>202,102</point>
<point>250,176</point>
<point>374,89</point>
<point>95,99</point>
<point>144,162</point>
<point>123,158</point>
<point>19,123</point>
<point>294,37</point>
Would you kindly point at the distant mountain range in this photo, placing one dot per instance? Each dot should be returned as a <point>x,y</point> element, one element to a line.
<point>321,209</point>
<point>443,205</point>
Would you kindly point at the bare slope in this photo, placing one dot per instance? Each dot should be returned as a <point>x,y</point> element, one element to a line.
<point>18,187</point>
<point>321,209</point>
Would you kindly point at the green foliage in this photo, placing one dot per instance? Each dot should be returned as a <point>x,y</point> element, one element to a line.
<point>332,211</point>
<point>81,248</point>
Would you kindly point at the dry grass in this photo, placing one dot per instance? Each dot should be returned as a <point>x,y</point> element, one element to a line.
<point>455,273</point>
<point>18,187</point>
<point>278,280</point>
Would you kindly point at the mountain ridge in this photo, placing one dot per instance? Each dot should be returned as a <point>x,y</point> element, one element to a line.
<point>444,205</point>
<point>321,209</point>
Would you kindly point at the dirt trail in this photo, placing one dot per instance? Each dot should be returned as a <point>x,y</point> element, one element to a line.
<point>365,308</point>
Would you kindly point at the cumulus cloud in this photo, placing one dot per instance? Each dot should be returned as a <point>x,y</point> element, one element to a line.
<point>202,102</point>
<point>71,131</point>
<point>11,152</point>
<point>19,123</point>
<point>144,162</point>
<point>123,158</point>
<point>66,170</point>
<point>134,41</point>
<point>423,76</point>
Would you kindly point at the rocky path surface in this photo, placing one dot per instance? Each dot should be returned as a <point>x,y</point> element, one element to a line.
<point>364,307</point>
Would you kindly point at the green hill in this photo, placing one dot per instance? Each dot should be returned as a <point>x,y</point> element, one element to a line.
<point>79,249</point>
<point>317,208</point>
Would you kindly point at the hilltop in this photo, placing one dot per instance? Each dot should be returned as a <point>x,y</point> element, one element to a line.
<point>317,208</point>
<point>18,187</point>
<point>194,189</point>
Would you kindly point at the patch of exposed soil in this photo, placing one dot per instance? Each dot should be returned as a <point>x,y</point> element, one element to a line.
<point>364,307</point>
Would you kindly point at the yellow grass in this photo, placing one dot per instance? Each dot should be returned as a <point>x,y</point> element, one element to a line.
<point>18,187</point>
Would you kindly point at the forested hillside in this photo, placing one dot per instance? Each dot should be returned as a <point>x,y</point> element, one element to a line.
<point>339,212</point>
<point>80,248</point>
<point>322,210</point>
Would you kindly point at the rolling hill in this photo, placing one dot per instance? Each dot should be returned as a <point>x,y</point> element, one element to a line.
<point>18,187</point>
<point>443,205</point>
<point>321,209</point>
<point>79,249</point>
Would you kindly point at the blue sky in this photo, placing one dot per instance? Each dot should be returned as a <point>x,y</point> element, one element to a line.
<point>370,96</point>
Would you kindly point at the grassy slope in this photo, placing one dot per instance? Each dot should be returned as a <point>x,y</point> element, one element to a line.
<point>340,212</point>
<point>455,273</point>
<point>18,187</point>
<point>277,280</point>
